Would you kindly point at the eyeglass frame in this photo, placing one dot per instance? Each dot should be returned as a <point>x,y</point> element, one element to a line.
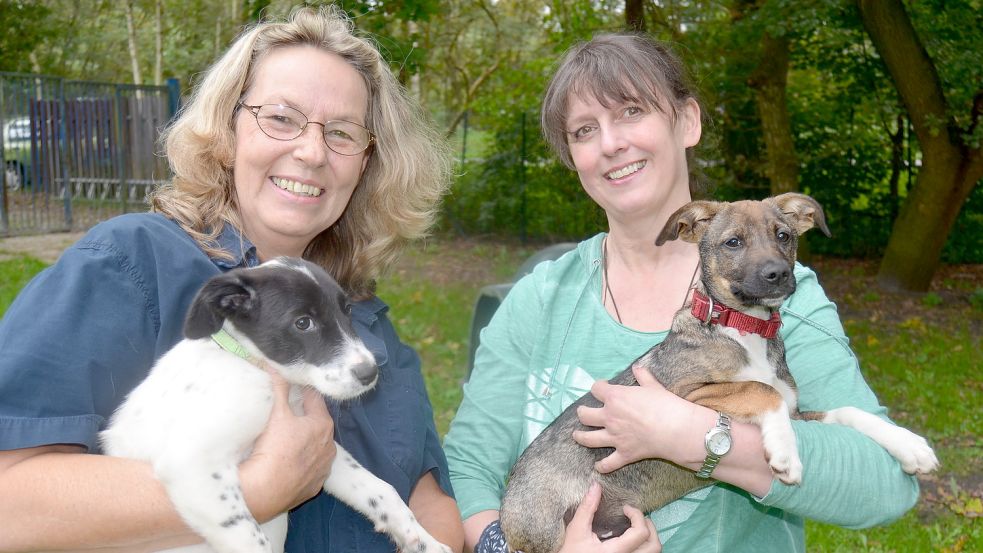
<point>255,111</point>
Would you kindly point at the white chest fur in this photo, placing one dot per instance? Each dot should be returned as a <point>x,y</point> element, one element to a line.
<point>758,367</point>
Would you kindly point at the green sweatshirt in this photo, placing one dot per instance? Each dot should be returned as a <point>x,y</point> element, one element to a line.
<point>552,338</point>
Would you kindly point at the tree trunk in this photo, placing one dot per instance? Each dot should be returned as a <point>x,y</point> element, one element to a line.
<point>635,15</point>
<point>131,36</point>
<point>950,167</point>
<point>158,42</point>
<point>769,81</point>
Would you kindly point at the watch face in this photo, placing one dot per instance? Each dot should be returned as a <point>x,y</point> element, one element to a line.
<point>718,442</point>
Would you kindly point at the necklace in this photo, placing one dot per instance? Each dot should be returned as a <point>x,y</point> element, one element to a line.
<point>607,282</point>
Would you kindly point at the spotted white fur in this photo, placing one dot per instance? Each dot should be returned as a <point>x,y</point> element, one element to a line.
<point>200,410</point>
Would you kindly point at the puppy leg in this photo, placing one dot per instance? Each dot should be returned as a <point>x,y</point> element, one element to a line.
<point>211,503</point>
<point>378,501</point>
<point>910,449</point>
<point>758,403</point>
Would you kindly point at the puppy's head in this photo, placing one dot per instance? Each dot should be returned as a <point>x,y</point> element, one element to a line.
<point>747,248</point>
<point>293,314</point>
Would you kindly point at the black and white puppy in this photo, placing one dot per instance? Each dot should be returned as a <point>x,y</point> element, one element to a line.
<point>199,412</point>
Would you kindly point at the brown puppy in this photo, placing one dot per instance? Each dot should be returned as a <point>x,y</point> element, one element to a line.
<point>747,253</point>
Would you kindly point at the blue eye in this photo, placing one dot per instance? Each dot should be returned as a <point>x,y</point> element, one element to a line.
<point>734,243</point>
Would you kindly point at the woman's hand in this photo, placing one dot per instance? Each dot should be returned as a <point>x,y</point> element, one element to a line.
<point>640,537</point>
<point>639,422</point>
<point>292,457</point>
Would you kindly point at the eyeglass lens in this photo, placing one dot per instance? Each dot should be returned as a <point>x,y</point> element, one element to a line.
<point>286,123</point>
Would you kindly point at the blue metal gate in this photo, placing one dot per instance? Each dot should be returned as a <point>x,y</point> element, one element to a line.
<point>75,152</point>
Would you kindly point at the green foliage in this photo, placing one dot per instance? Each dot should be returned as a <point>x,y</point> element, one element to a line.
<point>24,25</point>
<point>931,299</point>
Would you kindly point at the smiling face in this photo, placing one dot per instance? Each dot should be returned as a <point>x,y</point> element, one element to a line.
<point>631,160</point>
<point>288,192</point>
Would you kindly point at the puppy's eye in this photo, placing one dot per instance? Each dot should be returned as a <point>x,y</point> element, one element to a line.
<point>304,324</point>
<point>783,236</point>
<point>348,309</point>
<point>733,243</point>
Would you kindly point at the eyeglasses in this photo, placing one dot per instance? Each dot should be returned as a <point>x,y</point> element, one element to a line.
<point>281,122</point>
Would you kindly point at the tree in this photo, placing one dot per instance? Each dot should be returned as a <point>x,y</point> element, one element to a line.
<point>32,23</point>
<point>635,15</point>
<point>952,164</point>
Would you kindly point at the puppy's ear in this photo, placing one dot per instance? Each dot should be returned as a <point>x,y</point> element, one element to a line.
<point>689,222</point>
<point>803,211</point>
<point>226,296</point>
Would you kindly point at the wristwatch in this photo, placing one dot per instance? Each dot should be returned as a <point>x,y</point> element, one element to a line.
<point>718,443</point>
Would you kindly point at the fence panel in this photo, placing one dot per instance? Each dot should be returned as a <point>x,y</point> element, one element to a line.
<point>77,152</point>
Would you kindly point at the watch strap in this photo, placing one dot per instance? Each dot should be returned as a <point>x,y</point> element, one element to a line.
<point>712,459</point>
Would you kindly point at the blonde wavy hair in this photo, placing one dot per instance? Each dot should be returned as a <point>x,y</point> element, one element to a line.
<point>397,198</point>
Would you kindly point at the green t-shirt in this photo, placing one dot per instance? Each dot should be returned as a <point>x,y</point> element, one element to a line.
<point>552,338</point>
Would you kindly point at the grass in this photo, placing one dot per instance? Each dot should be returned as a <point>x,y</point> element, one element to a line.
<point>14,274</point>
<point>925,364</point>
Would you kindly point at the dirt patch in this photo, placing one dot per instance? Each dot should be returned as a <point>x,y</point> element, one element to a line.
<point>46,247</point>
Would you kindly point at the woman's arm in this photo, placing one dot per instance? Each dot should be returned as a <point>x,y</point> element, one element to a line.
<point>58,498</point>
<point>437,512</point>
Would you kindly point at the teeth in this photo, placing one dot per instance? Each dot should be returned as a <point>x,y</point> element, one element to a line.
<point>297,187</point>
<point>626,170</point>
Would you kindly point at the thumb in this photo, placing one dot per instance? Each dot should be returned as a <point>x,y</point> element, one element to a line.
<point>314,404</point>
<point>644,376</point>
<point>583,517</point>
<point>280,388</point>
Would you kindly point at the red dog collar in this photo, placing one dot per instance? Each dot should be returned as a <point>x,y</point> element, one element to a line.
<point>710,312</point>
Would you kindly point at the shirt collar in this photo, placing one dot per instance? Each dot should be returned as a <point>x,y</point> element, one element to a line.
<point>243,251</point>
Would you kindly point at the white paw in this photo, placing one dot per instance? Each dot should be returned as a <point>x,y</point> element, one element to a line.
<point>780,448</point>
<point>787,467</point>
<point>912,451</point>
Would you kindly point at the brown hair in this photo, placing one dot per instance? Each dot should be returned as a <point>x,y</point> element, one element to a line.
<point>616,68</point>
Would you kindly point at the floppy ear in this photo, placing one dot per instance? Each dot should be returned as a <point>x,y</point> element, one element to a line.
<point>223,297</point>
<point>689,222</point>
<point>803,211</point>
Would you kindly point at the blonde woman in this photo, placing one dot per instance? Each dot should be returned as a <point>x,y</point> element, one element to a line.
<point>297,142</point>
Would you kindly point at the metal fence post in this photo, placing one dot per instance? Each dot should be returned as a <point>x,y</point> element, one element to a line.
<point>173,97</point>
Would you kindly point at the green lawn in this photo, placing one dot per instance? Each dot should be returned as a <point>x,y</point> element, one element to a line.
<point>925,365</point>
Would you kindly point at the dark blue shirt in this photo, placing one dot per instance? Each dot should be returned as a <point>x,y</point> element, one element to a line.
<point>87,330</point>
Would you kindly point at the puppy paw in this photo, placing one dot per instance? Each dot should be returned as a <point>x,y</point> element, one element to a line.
<point>780,447</point>
<point>913,452</point>
<point>787,467</point>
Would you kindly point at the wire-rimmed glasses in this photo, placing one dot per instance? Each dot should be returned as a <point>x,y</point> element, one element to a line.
<point>281,122</point>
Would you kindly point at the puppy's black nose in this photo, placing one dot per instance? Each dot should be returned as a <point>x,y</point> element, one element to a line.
<point>774,273</point>
<point>366,372</point>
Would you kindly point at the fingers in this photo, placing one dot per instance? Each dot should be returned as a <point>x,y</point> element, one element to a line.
<point>591,416</point>
<point>641,537</point>
<point>611,463</point>
<point>584,515</point>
